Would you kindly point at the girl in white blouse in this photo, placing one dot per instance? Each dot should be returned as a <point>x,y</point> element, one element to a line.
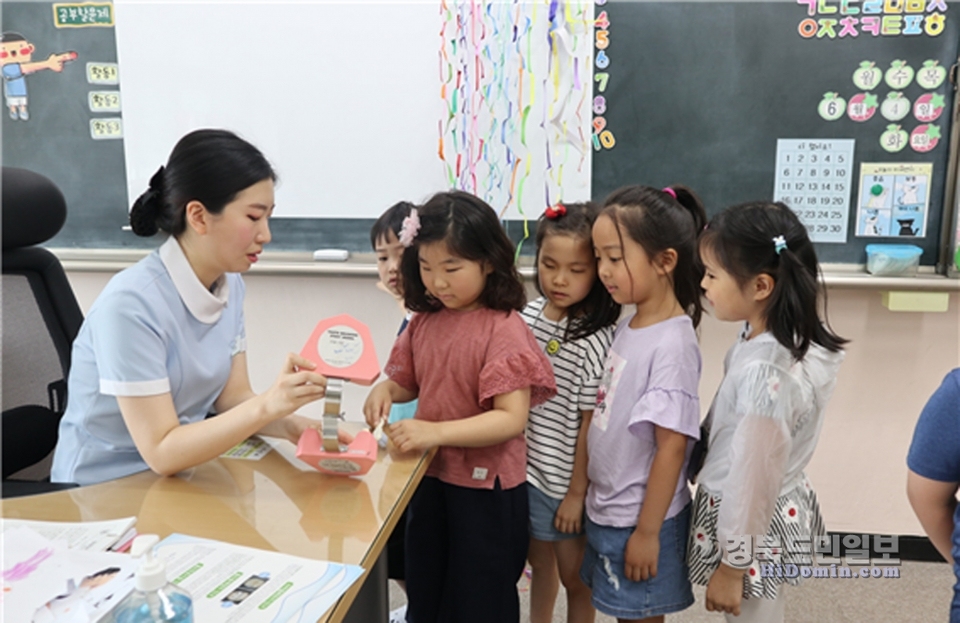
<point>755,511</point>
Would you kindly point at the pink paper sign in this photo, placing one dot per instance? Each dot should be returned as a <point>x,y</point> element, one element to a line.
<point>342,348</point>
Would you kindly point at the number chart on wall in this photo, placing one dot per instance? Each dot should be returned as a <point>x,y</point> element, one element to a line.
<point>747,101</point>
<point>813,178</point>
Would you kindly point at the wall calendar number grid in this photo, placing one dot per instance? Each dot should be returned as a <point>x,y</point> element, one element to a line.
<point>814,180</point>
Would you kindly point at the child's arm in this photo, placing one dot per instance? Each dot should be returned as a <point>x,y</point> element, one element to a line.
<point>169,447</point>
<point>643,546</point>
<point>376,409</point>
<point>934,503</point>
<point>506,420</point>
<point>569,517</point>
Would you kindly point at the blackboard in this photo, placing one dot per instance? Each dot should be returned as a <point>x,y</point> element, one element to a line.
<point>65,110</point>
<point>699,93</point>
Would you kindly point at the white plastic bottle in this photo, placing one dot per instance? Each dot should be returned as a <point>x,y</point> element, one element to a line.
<point>154,600</point>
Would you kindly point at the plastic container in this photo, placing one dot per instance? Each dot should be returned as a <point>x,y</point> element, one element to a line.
<point>154,600</point>
<point>896,260</point>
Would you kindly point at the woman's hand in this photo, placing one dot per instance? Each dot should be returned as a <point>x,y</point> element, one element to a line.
<point>295,387</point>
<point>376,408</point>
<point>569,517</point>
<point>725,590</point>
<point>640,556</point>
<point>411,435</point>
<point>291,428</point>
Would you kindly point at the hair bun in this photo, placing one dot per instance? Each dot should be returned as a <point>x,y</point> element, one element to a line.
<point>147,208</point>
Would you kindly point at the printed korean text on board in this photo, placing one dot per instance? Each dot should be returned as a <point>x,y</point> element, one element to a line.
<point>602,136</point>
<point>839,19</point>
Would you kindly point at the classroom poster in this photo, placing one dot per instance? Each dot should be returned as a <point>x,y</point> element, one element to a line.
<point>63,114</point>
<point>894,199</point>
<point>813,179</point>
<point>516,81</point>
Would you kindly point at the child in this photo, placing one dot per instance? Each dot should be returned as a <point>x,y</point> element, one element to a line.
<point>477,369</point>
<point>573,323</point>
<point>385,242</point>
<point>765,419</point>
<point>647,415</point>
<point>164,344</point>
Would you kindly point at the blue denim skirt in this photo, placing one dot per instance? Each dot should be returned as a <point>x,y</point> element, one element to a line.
<point>617,596</point>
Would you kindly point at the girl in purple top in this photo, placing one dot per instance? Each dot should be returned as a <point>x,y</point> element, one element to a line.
<point>648,413</point>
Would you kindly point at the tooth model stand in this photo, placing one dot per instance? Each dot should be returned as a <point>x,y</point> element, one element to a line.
<point>343,351</point>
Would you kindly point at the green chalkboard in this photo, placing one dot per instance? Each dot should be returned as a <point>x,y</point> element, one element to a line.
<point>699,93</point>
<point>72,132</point>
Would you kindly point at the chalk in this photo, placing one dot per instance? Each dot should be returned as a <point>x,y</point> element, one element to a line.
<point>331,255</point>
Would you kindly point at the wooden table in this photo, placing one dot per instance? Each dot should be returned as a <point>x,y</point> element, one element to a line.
<point>277,503</point>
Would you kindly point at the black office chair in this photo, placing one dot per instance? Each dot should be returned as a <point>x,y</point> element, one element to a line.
<point>41,318</point>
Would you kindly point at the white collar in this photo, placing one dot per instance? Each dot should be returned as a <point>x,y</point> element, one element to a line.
<point>205,305</point>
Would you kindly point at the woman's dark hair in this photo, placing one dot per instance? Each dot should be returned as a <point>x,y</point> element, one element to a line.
<point>742,239</point>
<point>597,310</point>
<point>391,220</point>
<point>471,231</point>
<point>658,220</point>
<point>209,166</point>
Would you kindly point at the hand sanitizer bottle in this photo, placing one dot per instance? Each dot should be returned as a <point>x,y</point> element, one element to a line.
<point>154,600</point>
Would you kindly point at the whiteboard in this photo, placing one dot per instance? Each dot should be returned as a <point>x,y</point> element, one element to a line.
<point>344,98</point>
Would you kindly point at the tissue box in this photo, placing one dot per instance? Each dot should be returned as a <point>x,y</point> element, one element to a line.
<point>898,260</point>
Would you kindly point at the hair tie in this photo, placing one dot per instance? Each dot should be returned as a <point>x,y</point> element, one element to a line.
<point>779,244</point>
<point>156,181</point>
<point>410,228</point>
<point>670,192</point>
<point>555,212</point>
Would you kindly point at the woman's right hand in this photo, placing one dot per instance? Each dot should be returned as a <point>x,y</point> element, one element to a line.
<point>376,409</point>
<point>295,387</point>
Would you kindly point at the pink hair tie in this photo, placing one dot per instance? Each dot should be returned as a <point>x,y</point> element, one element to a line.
<point>409,228</point>
<point>670,192</point>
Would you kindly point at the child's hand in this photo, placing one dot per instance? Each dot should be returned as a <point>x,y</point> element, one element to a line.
<point>376,409</point>
<point>569,518</point>
<point>640,556</point>
<point>410,435</point>
<point>725,590</point>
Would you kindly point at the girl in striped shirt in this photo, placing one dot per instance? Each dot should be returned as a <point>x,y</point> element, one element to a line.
<point>573,322</point>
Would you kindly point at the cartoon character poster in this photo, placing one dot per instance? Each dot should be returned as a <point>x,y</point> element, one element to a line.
<point>16,63</point>
<point>894,200</point>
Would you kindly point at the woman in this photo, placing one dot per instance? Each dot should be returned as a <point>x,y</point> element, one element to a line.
<point>164,344</point>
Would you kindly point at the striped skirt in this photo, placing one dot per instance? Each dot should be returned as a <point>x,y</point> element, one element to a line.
<point>796,520</point>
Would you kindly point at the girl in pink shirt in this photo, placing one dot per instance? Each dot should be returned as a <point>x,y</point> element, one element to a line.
<point>476,369</point>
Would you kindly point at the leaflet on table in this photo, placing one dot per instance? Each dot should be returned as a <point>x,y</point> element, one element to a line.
<point>92,536</point>
<point>235,583</point>
<point>43,581</point>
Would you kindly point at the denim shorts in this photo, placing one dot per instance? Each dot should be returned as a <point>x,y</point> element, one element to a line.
<point>543,510</point>
<point>614,594</point>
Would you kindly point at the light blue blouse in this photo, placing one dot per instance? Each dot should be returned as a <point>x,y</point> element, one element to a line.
<point>154,329</point>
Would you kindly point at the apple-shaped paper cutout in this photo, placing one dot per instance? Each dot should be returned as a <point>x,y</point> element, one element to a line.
<point>867,76</point>
<point>931,75</point>
<point>894,139</point>
<point>895,107</point>
<point>832,106</point>
<point>899,75</point>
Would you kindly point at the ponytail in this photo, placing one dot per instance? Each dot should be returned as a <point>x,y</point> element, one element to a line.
<point>658,220</point>
<point>768,238</point>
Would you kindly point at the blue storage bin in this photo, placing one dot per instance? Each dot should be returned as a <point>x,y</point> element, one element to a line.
<point>899,260</point>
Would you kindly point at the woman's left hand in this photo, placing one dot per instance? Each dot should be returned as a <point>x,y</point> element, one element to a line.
<point>293,426</point>
<point>410,435</point>
<point>725,590</point>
